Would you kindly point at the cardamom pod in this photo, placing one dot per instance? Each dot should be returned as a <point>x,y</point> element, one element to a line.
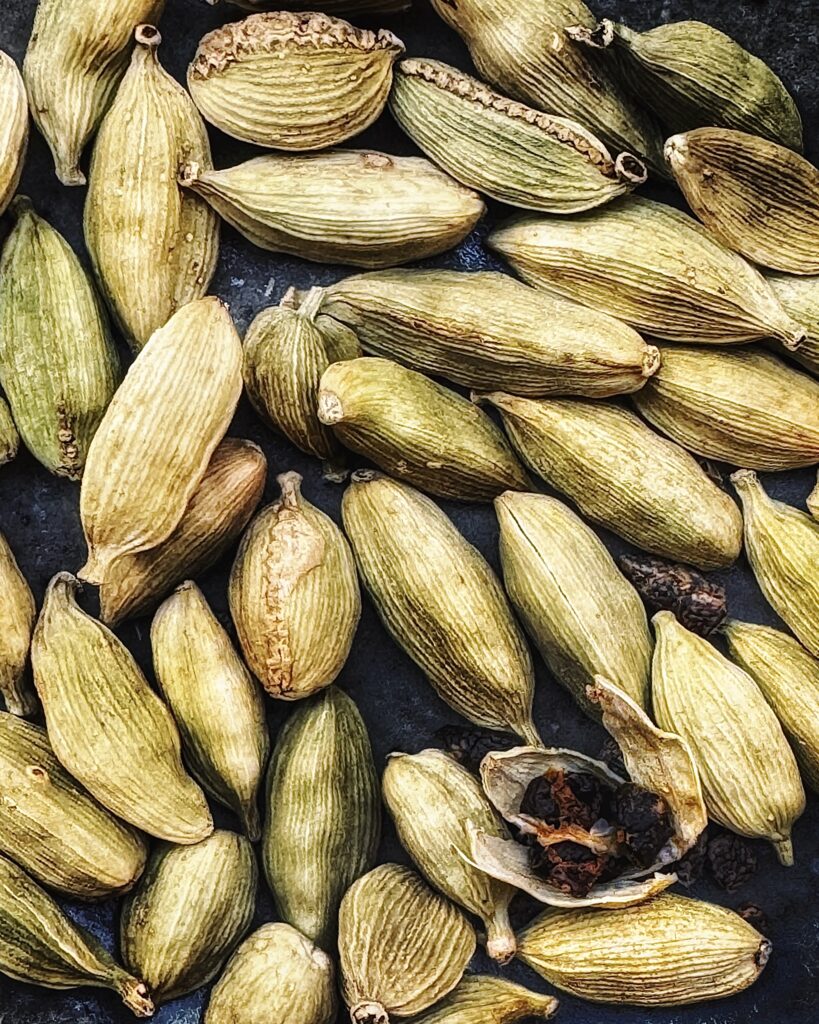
<point>487,999</point>
<point>107,726</point>
<point>41,946</point>
<point>812,500</point>
<point>782,545</point>
<point>294,595</point>
<point>583,615</point>
<point>417,430</point>
<point>218,512</point>
<point>13,130</point>
<point>191,909</point>
<point>503,148</point>
<point>293,81</point>
<point>402,946</point>
<point>153,245</point>
<point>440,602</point>
<point>690,74</point>
<point>755,196</point>
<point>275,977</point>
<point>156,440</point>
<point>331,6</point>
<point>321,770</point>
<point>485,330</point>
<point>58,366</point>
<point>349,206</point>
<point>652,266</point>
<point>73,65</point>
<point>799,297</point>
<point>53,828</point>
<point>743,406</point>
<point>789,679</point>
<point>340,341</point>
<point>669,951</point>
<point>218,707</point>
<point>749,775</point>
<point>625,477</point>
<point>19,614</point>
<point>9,438</point>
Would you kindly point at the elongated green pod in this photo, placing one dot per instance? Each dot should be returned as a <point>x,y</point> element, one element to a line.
<point>487,999</point>
<point>19,614</point>
<point>9,438</point>
<point>13,130</point>
<point>799,296</point>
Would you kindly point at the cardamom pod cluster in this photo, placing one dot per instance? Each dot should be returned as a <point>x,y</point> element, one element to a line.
<point>9,438</point>
<point>294,595</point>
<point>347,206</point>
<point>508,151</point>
<point>799,297</point>
<point>487,999</point>
<point>321,772</point>
<point>58,365</point>
<point>402,946</point>
<point>749,775</point>
<point>652,266</point>
<point>244,74</point>
<point>440,601</point>
<point>107,726</point>
<point>19,614</point>
<point>73,66</point>
<point>485,330</point>
<point>153,245</point>
<point>13,130</point>
<point>156,440</point>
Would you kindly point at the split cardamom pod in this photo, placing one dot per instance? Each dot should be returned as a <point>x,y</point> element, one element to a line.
<point>799,297</point>
<point>107,726</point>
<point>294,595</point>
<point>782,545</point>
<point>622,475</point>
<point>756,196</point>
<point>511,152</point>
<point>669,951</point>
<point>13,130</point>
<point>244,74</point>
<point>156,440</point>
<point>741,405</point>
<point>216,703</point>
<point>9,438</point>
<point>750,779</point>
<point>192,907</point>
<point>19,614</point>
<point>349,206</point>
<point>440,602</point>
<point>402,946</point>
<point>486,330</point>
<point>652,266</point>
<point>275,977</point>
<point>322,770</point>
<point>581,612</point>
<point>153,245</point>
<point>41,946</point>
<point>487,999</point>
<point>73,65</point>
<point>58,366</point>
<point>417,430</point>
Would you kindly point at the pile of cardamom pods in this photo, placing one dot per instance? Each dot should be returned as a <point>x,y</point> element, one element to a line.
<point>630,347</point>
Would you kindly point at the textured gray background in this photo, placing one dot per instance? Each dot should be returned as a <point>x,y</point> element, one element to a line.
<point>39,514</point>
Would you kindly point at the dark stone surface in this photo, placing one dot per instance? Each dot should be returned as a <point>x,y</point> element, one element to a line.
<point>39,515</point>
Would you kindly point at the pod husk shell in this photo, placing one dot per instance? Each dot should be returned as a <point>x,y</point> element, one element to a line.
<point>13,130</point>
<point>9,438</point>
<point>487,999</point>
<point>799,297</point>
<point>19,614</point>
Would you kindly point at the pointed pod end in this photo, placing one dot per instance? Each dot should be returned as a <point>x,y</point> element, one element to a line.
<point>148,36</point>
<point>675,150</point>
<point>630,169</point>
<point>69,172</point>
<point>369,1013</point>
<point>136,997</point>
<point>290,484</point>
<point>189,174</point>
<point>784,851</point>
<point>365,476</point>
<point>651,361</point>
<point>600,37</point>
<point>744,479</point>
<point>763,954</point>
<point>793,338</point>
<point>251,823</point>
<point>664,618</point>
<point>20,206</point>
<point>92,572</point>
<point>502,946</point>
<point>330,409</point>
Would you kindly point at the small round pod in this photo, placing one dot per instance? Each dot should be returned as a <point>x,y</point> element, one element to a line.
<point>488,999</point>
<point>13,130</point>
<point>19,615</point>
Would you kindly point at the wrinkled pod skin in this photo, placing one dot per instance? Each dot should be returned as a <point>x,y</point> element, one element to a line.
<point>13,129</point>
<point>488,999</point>
<point>19,614</point>
<point>799,297</point>
<point>9,438</point>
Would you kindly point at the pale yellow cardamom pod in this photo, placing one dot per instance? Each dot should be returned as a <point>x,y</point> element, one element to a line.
<point>487,999</point>
<point>799,297</point>
<point>13,129</point>
<point>19,614</point>
<point>9,438</point>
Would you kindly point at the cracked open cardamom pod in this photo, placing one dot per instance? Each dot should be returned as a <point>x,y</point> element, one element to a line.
<point>487,999</point>
<point>75,59</point>
<point>402,946</point>
<point>13,129</point>
<point>440,602</point>
<point>107,726</point>
<point>9,438</point>
<point>799,297</point>
<point>19,613</point>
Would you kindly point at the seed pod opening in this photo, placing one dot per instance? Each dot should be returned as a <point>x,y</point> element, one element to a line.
<point>19,614</point>
<point>13,130</point>
<point>487,999</point>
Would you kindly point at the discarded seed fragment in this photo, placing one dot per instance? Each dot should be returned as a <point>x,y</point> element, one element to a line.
<point>469,744</point>
<point>731,860</point>
<point>698,602</point>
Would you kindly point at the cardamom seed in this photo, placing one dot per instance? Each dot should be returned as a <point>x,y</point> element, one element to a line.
<point>13,130</point>
<point>799,297</point>
<point>699,603</point>
<point>9,438</point>
<point>19,614</point>
<point>486,999</point>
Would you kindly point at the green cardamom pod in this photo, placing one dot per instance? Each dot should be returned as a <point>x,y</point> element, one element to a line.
<point>749,776</point>
<point>652,266</point>
<point>503,148</point>
<point>340,341</point>
<point>58,366</point>
<point>487,999</point>
<point>440,601</point>
<point>191,909</point>
<point>153,245</point>
<point>331,6</point>
<point>755,196</point>
<point>349,206</point>
<point>294,595</point>
<point>584,616</point>
<point>9,438</point>
<point>73,65</point>
<point>217,705</point>
<point>41,946</point>
<point>19,614</point>
<point>276,976</point>
<point>782,545</point>
<point>799,297</point>
<point>402,946</point>
<point>669,951</point>
<point>107,726</point>
<point>13,130</point>
<point>321,770</point>
<point>625,477</point>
